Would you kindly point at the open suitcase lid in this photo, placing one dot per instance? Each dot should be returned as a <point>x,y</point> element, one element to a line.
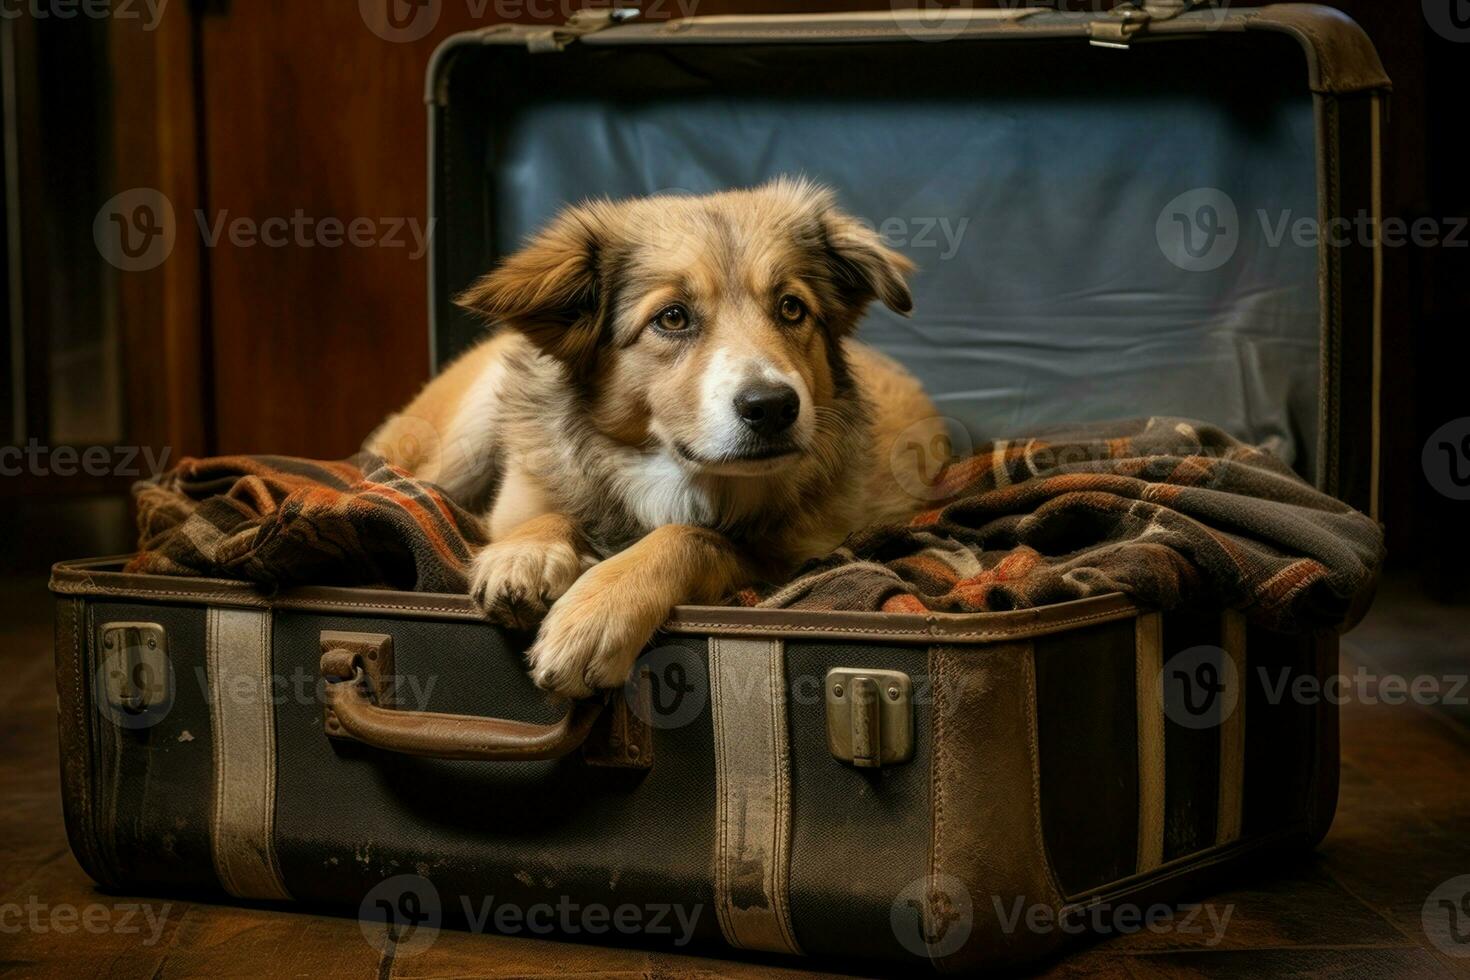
<point>1106,225</point>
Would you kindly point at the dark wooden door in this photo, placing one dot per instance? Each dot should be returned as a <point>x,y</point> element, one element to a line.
<point>314,111</point>
<point>313,123</point>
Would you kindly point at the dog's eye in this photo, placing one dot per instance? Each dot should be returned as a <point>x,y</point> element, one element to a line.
<point>792,309</point>
<point>673,319</point>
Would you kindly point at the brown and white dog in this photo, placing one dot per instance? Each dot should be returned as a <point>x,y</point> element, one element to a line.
<point>672,409</point>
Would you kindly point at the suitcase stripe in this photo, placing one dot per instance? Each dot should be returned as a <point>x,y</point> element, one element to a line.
<point>752,793</point>
<point>1149,640</point>
<point>242,830</point>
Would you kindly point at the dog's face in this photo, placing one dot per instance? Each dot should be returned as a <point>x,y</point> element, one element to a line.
<point>708,326</point>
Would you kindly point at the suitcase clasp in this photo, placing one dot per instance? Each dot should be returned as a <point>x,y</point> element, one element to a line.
<point>622,737</point>
<point>579,24</point>
<point>1133,17</point>
<point>870,716</point>
<point>135,666</point>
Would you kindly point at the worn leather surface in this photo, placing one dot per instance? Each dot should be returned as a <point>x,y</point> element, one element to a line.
<point>1340,57</point>
<point>1286,755</point>
<point>1346,161</point>
<point>1235,642</point>
<point>241,699</point>
<point>1087,724</point>
<point>1192,755</point>
<point>101,578</point>
<point>1148,636</point>
<point>350,815</point>
<point>753,793</point>
<point>995,794</point>
<point>75,722</point>
<point>1327,757</point>
<point>435,735</point>
<point>859,837</point>
<point>987,800</point>
<point>153,786</point>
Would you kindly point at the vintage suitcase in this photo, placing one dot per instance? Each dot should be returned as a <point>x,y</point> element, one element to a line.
<point>1107,211</point>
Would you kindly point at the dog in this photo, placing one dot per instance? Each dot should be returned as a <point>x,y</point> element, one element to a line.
<point>670,407</point>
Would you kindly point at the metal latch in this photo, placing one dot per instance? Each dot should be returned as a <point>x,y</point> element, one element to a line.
<point>1133,16</point>
<point>870,716</point>
<point>622,738</point>
<point>135,666</point>
<point>579,24</point>
<point>373,653</point>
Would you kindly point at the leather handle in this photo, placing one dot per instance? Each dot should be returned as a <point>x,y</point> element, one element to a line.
<point>351,713</point>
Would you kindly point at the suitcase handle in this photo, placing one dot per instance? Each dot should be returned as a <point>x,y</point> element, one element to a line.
<point>352,714</point>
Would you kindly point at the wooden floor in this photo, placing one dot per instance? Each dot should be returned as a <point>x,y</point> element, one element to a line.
<point>1356,909</point>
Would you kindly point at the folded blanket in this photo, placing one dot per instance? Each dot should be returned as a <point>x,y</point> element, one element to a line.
<point>1165,510</point>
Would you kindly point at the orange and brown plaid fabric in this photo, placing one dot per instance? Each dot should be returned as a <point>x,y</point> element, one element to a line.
<point>280,521</point>
<point>1165,510</point>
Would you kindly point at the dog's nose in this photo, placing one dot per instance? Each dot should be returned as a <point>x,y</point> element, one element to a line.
<point>769,409</point>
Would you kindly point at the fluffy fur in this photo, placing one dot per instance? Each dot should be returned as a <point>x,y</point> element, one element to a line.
<point>601,427</point>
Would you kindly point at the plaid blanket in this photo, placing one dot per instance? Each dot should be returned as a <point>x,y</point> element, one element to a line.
<point>279,521</point>
<point>1165,510</point>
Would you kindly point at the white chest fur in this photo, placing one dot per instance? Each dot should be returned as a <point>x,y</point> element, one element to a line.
<point>657,490</point>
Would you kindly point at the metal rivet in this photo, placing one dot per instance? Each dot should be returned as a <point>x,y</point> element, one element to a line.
<point>152,643</point>
<point>893,694</point>
<point>108,642</point>
<point>632,750</point>
<point>837,691</point>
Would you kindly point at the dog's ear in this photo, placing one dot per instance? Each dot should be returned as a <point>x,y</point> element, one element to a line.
<point>862,267</point>
<point>553,289</point>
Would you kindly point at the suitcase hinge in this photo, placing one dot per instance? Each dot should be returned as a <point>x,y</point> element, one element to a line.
<point>870,716</point>
<point>579,24</point>
<point>1133,17</point>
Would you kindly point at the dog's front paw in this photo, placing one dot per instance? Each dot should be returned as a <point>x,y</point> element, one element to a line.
<point>516,581</point>
<point>594,633</point>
